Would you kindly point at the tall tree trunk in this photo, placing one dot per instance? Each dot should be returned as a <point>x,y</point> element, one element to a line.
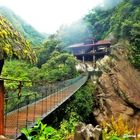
<point>1,65</point>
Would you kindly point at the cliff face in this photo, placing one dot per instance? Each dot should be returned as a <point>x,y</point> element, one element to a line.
<point>118,92</point>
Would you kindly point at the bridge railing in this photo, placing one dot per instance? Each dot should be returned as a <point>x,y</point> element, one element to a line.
<point>31,100</point>
<point>24,93</point>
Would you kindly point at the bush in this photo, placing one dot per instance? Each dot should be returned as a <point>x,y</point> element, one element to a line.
<point>115,129</point>
<point>43,132</point>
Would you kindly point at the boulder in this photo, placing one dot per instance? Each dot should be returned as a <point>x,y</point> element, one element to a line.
<point>118,94</point>
<point>87,132</point>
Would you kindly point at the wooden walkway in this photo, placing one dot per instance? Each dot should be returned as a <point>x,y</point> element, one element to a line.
<point>27,115</point>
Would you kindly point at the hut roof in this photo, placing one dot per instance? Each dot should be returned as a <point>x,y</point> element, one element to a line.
<point>100,42</point>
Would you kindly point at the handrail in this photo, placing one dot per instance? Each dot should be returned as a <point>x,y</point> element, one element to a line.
<point>10,79</point>
<point>20,80</point>
<point>50,89</point>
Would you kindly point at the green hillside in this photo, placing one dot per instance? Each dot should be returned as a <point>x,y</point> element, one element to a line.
<point>123,21</point>
<point>31,34</point>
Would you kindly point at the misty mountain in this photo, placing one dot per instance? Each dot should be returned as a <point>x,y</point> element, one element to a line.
<point>32,35</point>
<point>74,33</point>
<point>111,3</point>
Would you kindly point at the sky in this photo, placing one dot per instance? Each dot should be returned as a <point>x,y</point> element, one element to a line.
<point>48,15</point>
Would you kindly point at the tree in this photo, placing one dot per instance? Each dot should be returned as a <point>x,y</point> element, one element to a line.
<point>123,21</point>
<point>50,46</point>
<point>98,21</point>
<point>59,67</point>
<point>136,2</point>
<point>13,44</point>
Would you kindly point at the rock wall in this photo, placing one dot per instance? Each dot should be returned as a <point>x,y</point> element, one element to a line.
<point>118,93</point>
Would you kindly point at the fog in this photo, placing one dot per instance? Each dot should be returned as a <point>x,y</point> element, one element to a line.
<point>110,3</point>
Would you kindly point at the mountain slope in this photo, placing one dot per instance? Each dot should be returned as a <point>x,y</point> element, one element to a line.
<point>26,29</point>
<point>123,21</point>
<point>117,92</point>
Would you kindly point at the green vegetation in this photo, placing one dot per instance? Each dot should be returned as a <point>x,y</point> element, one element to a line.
<point>116,129</point>
<point>30,34</point>
<point>123,21</point>
<point>21,67</point>
<point>78,109</point>
<point>12,44</point>
<point>98,22</point>
<point>82,102</point>
<point>55,64</point>
<point>50,72</point>
<point>52,44</point>
<point>43,132</point>
<point>59,67</point>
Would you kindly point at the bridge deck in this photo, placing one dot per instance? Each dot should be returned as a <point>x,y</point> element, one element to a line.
<point>27,115</point>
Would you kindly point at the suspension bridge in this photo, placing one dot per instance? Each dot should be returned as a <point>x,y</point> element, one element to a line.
<point>33,101</point>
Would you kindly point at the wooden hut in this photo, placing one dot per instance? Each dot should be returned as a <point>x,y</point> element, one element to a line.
<point>90,49</point>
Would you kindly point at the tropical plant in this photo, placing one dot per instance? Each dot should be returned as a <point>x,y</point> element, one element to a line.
<point>13,44</point>
<point>43,132</point>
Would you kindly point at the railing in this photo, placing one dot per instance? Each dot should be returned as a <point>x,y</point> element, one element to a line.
<point>102,52</point>
<point>35,100</point>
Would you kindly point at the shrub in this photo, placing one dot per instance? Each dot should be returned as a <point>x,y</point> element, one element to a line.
<point>115,129</point>
<point>43,132</point>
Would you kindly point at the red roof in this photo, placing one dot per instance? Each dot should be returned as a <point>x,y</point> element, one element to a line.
<point>80,45</point>
<point>100,42</point>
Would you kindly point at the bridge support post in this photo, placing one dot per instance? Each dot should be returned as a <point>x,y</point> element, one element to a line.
<point>94,59</point>
<point>83,58</point>
<point>2,107</point>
